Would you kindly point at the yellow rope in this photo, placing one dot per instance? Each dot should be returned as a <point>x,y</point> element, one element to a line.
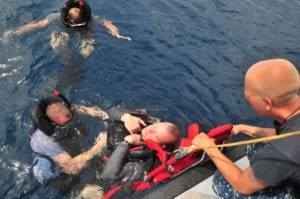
<point>264,139</point>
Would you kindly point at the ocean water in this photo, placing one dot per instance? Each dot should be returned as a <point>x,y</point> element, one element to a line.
<point>185,63</point>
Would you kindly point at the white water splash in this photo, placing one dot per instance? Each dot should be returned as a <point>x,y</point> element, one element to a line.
<point>14,71</point>
<point>19,169</point>
<point>3,66</point>
<point>15,59</point>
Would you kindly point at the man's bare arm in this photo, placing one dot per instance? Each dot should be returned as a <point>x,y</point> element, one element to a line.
<point>244,182</point>
<point>252,131</point>
<point>23,29</point>
<point>74,165</point>
<point>31,26</point>
<point>92,111</point>
<point>112,29</point>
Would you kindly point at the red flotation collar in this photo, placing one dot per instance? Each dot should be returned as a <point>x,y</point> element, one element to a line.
<point>172,166</point>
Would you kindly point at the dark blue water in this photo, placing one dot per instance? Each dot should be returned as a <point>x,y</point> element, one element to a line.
<point>186,61</point>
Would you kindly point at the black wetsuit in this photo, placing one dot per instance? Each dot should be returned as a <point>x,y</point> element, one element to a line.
<point>124,167</point>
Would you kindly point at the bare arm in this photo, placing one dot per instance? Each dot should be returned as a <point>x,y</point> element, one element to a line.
<point>132,123</point>
<point>23,29</point>
<point>92,111</point>
<point>74,165</point>
<point>112,29</point>
<point>31,26</point>
<point>243,181</point>
<point>252,131</point>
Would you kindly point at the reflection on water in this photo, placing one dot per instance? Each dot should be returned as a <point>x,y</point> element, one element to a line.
<point>72,48</point>
<point>186,58</point>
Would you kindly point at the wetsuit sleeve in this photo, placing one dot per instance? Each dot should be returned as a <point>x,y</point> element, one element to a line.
<point>115,113</point>
<point>115,163</point>
<point>53,17</point>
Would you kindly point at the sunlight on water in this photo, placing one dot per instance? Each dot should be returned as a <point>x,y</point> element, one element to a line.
<point>15,71</point>
<point>15,59</point>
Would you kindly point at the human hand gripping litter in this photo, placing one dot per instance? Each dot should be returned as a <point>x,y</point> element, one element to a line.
<point>202,141</point>
<point>194,140</point>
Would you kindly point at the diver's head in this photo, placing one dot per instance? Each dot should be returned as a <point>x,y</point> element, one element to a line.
<point>75,16</point>
<point>58,113</point>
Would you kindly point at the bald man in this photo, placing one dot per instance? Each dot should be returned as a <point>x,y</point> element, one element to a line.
<point>272,90</point>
